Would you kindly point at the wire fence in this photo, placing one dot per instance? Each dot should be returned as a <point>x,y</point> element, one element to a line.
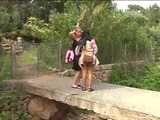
<point>39,57</point>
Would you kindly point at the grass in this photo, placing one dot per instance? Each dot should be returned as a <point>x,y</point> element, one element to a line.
<point>5,67</point>
<point>28,57</point>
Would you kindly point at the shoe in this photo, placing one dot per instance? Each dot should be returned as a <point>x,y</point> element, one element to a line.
<point>83,88</point>
<point>76,86</point>
<point>90,89</point>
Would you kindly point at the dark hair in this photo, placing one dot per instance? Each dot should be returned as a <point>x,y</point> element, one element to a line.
<point>85,36</point>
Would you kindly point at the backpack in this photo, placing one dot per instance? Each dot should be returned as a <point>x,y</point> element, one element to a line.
<point>88,54</point>
<point>69,56</point>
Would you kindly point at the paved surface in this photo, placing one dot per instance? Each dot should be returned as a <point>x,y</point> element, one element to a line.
<point>114,101</point>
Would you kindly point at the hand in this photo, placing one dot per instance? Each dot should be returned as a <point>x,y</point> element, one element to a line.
<point>81,65</point>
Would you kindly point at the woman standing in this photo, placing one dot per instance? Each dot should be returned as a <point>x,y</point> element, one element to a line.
<point>76,36</point>
<point>88,61</point>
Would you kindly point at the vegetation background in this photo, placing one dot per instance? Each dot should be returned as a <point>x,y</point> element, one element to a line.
<point>122,37</point>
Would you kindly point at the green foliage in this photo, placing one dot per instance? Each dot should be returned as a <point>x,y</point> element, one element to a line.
<point>153,14</point>
<point>53,34</point>
<point>48,56</point>
<point>27,57</point>
<point>155,33</point>
<point>11,108</point>
<point>36,28</point>
<point>150,79</point>
<point>123,36</point>
<point>136,8</point>
<point>5,67</point>
<point>9,19</point>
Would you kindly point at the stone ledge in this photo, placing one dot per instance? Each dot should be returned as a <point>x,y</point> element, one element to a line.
<point>111,101</point>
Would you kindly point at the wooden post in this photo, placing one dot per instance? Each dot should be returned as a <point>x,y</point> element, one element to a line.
<point>60,55</point>
<point>38,59</point>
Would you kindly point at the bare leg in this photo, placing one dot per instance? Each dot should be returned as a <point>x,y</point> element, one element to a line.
<point>77,77</point>
<point>84,76</point>
<point>90,77</point>
<point>87,74</point>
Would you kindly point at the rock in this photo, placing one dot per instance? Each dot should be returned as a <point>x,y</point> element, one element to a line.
<point>68,73</point>
<point>103,75</point>
<point>36,118</point>
<point>42,108</point>
<point>54,69</point>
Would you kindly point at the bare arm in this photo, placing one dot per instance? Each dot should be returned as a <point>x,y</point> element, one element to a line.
<point>72,34</point>
<point>94,45</point>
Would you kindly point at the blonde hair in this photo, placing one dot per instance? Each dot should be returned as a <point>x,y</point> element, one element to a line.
<point>77,27</point>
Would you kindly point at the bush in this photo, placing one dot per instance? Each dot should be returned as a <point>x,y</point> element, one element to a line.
<point>11,109</point>
<point>5,67</point>
<point>150,79</point>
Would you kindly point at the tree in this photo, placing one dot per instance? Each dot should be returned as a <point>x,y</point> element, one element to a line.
<point>153,13</point>
<point>136,8</point>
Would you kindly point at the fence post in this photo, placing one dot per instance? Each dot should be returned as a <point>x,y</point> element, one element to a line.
<point>37,58</point>
<point>60,55</point>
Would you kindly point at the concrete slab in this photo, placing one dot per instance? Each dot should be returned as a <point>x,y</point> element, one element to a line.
<point>114,101</point>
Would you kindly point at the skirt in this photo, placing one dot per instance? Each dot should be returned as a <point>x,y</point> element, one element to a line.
<point>76,66</point>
